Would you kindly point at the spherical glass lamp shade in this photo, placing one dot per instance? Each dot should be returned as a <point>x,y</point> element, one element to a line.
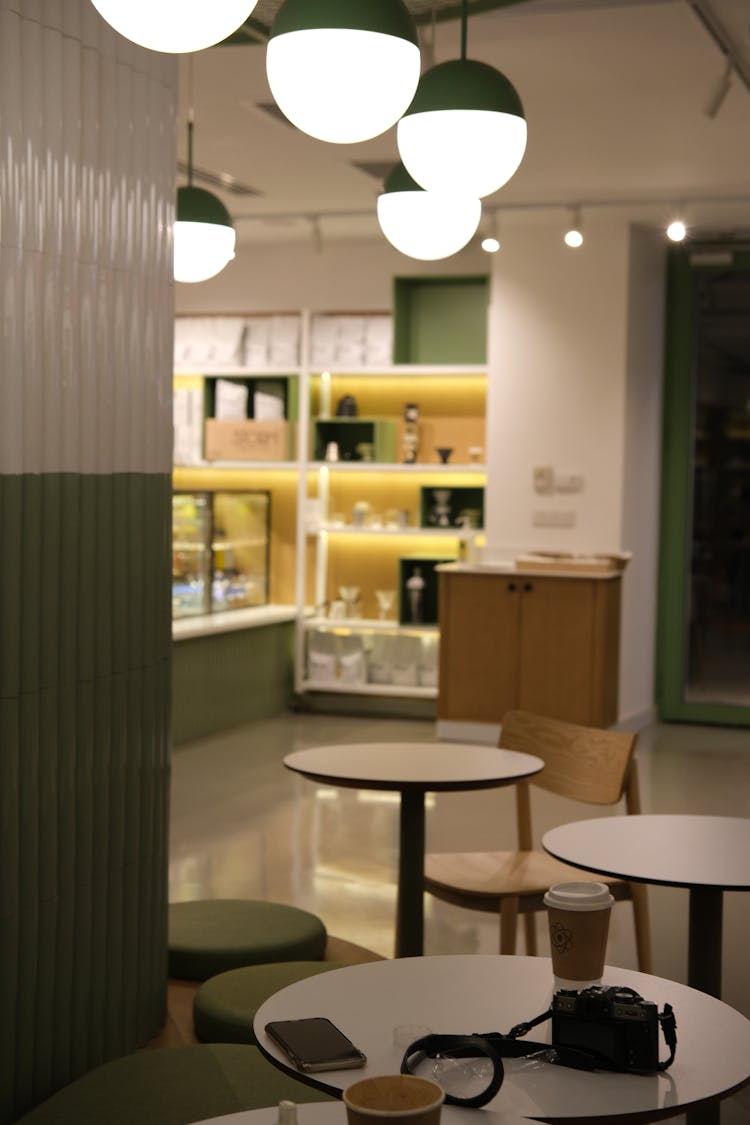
<point>343,73</point>
<point>465,130</point>
<point>423,224</point>
<point>174,26</point>
<point>204,237</point>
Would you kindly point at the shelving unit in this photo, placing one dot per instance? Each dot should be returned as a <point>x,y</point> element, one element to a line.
<point>317,545</point>
<point>365,526</point>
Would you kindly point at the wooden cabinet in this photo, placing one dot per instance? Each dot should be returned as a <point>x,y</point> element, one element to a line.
<point>545,643</point>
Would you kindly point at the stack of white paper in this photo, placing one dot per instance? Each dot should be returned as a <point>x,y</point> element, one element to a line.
<point>231,400</point>
<point>284,341</point>
<point>188,425</point>
<point>208,341</point>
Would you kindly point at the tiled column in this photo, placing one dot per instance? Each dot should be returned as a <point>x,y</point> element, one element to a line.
<point>87,161</point>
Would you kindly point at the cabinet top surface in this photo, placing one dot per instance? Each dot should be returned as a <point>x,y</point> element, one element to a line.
<point>509,569</point>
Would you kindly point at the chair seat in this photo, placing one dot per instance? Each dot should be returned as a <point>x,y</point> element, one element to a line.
<point>172,1086</point>
<point>224,1006</point>
<point>481,878</point>
<point>212,936</point>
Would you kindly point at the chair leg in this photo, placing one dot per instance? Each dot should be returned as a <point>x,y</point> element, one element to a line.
<point>508,923</point>
<point>529,927</point>
<point>642,926</point>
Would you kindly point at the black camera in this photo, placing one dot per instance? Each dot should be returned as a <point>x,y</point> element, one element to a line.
<point>616,1025</point>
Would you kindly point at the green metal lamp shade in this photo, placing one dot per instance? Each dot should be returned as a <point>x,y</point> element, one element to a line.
<point>465,84</point>
<point>387,17</point>
<point>464,131</point>
<point>343,71</point>
<point>195,205</point>
<point>423,224</point>
<point>204,237</point>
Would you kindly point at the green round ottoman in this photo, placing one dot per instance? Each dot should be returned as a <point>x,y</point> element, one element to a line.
<point>172,1086</point>
<point>224,1007</point>
<point>211,936</point>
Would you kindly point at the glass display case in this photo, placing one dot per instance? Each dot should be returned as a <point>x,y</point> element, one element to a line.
<point>220,546</point>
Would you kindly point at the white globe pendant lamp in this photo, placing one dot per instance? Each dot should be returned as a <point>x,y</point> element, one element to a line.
<point>343,71</point>
<point>175,26</point>
<point>204,237</point>
<point>424,224</point>
<point>465,131</point>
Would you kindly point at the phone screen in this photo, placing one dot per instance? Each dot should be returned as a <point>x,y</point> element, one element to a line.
<point>315,1044</point>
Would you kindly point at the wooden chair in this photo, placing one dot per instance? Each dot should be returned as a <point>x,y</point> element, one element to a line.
<point>582,763</point>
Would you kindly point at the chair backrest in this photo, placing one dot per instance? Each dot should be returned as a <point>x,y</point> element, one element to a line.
<point>583,763</point>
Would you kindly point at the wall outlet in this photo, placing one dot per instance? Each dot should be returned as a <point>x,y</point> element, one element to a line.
<point>553,519</point>
<point>544,479</point>
<point>568,482</point>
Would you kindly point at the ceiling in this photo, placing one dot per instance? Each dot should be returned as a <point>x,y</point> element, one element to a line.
<point>616,95</point>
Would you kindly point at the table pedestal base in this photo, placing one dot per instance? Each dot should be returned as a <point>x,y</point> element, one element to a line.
<point>410,905</point>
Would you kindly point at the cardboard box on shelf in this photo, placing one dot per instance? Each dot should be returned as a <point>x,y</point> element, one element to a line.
<point>246,440</point>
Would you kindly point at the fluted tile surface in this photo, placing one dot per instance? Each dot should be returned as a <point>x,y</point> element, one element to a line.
<point>86,310</point>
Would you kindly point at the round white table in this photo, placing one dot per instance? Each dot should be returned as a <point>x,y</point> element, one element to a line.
<point>707,854</point>
<point>478,993</point>
<point>413,769</point>
<point>334,1113</point>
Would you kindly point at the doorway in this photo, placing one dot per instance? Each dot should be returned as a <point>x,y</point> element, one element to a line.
<point>704,627</point>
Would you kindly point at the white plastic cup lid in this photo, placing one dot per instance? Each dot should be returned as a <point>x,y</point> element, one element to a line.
<point>578,896</point>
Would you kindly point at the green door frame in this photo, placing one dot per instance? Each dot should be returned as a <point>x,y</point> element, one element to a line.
<point>676,490</point>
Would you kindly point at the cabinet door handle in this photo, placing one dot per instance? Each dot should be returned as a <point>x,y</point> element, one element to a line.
<point>512,587</point>
<point>528,587</point>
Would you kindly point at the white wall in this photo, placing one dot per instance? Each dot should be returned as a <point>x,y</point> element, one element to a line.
<point>342,277</point>
<point>641,477</point>
<point>576,371</point>
<point>557,392</point>
<point>575,383</point>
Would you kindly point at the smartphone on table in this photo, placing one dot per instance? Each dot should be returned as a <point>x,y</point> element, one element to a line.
<point>315,1044</point>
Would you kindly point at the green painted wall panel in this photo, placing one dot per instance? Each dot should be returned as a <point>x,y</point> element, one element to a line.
<point>440,319</point>
<point>212,677</point>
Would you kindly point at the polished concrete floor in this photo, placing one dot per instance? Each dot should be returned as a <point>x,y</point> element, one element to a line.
<point>244,826</point>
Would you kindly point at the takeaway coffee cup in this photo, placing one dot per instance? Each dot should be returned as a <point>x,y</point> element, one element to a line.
<point>395,1097</point>
<point>578,916</point>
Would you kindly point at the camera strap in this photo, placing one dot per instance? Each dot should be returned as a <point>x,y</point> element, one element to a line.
<point>495,1046</point>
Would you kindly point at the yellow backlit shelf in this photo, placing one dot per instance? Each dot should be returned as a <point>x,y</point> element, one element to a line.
<point>250,466</point>
<point>401,532</point>
<point>422,467</point>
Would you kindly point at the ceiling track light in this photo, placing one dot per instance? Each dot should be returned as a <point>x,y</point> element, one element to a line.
<point>204,237</point>
<point>573,236</point>
<point>174,26</point>
<point>490,242</point>
<point>676,231</point>
<point>465,130</point>
<point>343,72</point>
<point>423,224</point>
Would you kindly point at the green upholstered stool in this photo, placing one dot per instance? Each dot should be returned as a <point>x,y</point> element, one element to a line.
<point>224,1007</point>
<point>172,1086</point>
<point>212,936</point>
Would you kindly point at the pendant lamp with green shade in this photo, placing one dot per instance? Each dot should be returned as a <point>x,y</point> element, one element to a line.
<point>343,71</point>
<point>174,26</point>
<point>204,237</point>
<point>423,224</point>
<point>465,130</point>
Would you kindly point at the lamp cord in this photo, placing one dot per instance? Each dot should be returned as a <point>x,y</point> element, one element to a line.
<point>464,26</point>
<point>190,121</point>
